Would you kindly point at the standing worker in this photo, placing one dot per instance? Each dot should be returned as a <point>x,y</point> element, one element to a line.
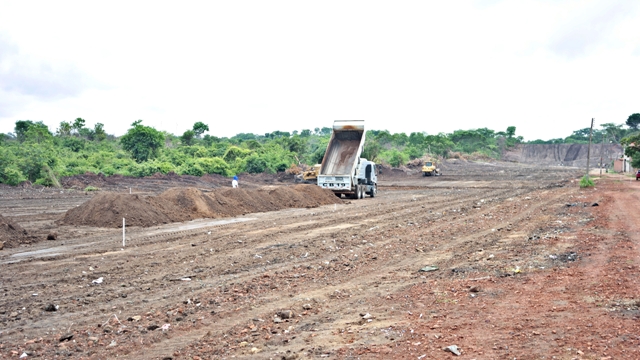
<point>234,182</point>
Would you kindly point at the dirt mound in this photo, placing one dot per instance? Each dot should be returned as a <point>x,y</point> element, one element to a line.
<point>11,234</point>
<point>181,204</point>
<point>191,202</point>
<point>107,210</point>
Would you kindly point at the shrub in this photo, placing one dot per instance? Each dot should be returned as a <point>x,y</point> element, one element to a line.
<point>213,166</point>
<point>12,176</point>
<point>586,182</point>
<point>255,164</point>
<point>190,168</point>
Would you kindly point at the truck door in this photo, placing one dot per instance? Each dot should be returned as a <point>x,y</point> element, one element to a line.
<point>367,173</point>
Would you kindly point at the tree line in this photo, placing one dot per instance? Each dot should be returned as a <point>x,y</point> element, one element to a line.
<point>34,153</point>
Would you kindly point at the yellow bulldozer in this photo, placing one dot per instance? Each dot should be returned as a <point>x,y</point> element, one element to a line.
<point>309,176</point>
<point>429,169</point>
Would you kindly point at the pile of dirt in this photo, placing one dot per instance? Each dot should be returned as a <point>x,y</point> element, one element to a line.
<point>180,204</point>
<point>107,210</point>
<point>11,234</point>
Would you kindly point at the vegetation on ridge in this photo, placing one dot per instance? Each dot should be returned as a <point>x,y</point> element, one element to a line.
<point>36,154</point>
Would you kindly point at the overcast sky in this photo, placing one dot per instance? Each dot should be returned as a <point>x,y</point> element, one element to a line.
<point>546,67</point>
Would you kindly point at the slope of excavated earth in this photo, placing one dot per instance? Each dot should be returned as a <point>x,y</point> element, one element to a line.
<point>108,209</point>
<point>11,234</point>
<point>180,204</point>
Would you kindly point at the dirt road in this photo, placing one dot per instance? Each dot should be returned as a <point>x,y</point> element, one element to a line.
<point>523,266</point>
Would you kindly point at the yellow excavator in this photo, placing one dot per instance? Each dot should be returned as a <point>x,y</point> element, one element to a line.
<point>430,169</point>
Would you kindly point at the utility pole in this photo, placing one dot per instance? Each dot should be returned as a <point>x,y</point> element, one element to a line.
<point>589,148</point>
<point>601,151</point>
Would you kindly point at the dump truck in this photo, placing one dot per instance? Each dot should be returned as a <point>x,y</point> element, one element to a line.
<point>430,169</point>
<point>343,170</point>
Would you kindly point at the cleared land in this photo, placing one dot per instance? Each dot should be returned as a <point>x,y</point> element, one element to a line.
<point>527,268</point>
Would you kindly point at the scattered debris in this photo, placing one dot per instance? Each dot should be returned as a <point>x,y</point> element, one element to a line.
<point>98,280</point>
<point>51,307</point>
<point>52,236</point>
<point>429,268</point>
<point>66,337</point>
<point>285,314</point>
<point>453,349</point>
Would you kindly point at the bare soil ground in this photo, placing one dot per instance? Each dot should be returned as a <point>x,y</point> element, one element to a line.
<point>525,267</point>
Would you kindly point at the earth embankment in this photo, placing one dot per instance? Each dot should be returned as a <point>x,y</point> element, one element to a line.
<point>562,154</point>
<point>181,204</point>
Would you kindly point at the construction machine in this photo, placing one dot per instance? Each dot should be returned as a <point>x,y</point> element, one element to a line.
<point>430,169</point>
<point>309,176</point>
<point>343,170</point>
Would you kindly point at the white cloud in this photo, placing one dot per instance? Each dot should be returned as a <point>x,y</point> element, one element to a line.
<point>256,66</point>
<point>589,25</point>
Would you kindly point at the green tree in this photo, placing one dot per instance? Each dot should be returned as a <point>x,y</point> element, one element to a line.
<point>396,158</point>
<point>371,149</point>
<point>511,131</point>
<point>199,128</point>
<point>234,152</point>
<point>38,134</point>
<point>613,132</point>
<point>438,144</point>
<point>64,129</point>
<point>98,132</point>
<point>187,137</point>
<point>22,126</point>
<point>305,133</point>
<point>633,121</point>
<point>255,164</point>
<point>78,124</point>
<point>632,148</point>
<point>143,142</point>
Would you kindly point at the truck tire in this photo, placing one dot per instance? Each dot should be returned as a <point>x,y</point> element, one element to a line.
<point>374,191</point>
<point>355,194</point>
<point>360,192</point>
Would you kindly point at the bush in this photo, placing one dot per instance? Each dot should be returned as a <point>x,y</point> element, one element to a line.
<point>213,166</point>
<point>12,176</point>
<point>74,144</point>
<point>190,168</point>
<point>586,182</point>
<point>396,158</point>
<point>255,164</point>
<point>151,167</point>
<point>234,152</point>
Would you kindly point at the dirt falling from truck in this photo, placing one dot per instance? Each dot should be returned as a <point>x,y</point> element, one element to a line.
<point>181,204</point>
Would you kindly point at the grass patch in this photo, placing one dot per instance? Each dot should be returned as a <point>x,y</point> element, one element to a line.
<point>91,188</point>
<point>586,182</point>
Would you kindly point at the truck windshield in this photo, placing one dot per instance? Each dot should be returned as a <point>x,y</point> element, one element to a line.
<point>429,164</point>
